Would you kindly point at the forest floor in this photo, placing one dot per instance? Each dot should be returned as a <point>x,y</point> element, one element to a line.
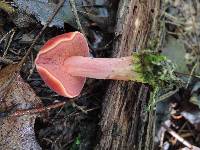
<point>74,124</point>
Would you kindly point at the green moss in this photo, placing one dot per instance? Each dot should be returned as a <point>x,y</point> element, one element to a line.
<point>156,70</point>
<point>152,44</point>
<point>6,7</point>
<point>153,68</point>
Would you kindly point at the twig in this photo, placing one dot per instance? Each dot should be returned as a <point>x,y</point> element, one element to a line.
<point>191,73</point>
<point>32,69</point>
<point>31,111</point>
<point>9,42</point>
<point>18,113</point>
<point>178,137</point>
<point>162,139</point>
<point>174,19</point>
<point>74,10</point>
<point>167,95</point>
<point>186,74</point>
<point>77,113</point>
<point>6,35</point>
<point>6,61</point>
<point>78,107</point>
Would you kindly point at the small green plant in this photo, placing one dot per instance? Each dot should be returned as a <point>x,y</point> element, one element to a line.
<point>76,143</point>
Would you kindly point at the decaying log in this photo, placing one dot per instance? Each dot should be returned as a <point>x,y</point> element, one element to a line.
<point>126,123</point>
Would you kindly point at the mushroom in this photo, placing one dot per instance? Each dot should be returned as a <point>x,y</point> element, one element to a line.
<point>64,63</point>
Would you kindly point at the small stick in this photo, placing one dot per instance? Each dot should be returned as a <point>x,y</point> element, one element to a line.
<point>31,111</point>
<point>9,42</point>
<point>78,107</point>
<point>162,139</point>
<point>178,137</point>
<point>32,69</point>
<point>6,61</point>
<point>167,95</point>
<point>12,30</point>
<point>22,112</point>
<point>191,73</point>
<point>74,10</point>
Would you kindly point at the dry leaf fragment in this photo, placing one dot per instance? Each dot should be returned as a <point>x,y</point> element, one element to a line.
<point>17,132</point>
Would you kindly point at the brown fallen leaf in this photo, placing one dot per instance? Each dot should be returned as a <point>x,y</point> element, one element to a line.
<point>17,132</point>
<point>6,77</point>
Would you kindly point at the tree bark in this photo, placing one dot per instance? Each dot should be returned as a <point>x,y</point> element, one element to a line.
<point>125,123</point>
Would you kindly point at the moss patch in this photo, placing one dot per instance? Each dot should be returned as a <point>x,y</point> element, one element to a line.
<point>153,68</point>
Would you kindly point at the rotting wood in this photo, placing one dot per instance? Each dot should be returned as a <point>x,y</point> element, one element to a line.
<point>125,123</point>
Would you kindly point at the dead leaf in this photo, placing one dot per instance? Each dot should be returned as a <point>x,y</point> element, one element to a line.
<point>36,8</point>
<point>17,132</point>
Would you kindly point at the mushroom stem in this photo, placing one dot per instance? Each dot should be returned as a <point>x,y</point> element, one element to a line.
<point>101,68</point>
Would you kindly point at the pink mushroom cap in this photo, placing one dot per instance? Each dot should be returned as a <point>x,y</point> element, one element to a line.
<point>50,63</point>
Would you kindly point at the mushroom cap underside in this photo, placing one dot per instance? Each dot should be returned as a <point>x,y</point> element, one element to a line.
<point>50,63</point>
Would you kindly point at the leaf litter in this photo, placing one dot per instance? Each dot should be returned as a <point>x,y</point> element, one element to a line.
<point>180,112</point>
<point>17,132</point>
<point>68,123</point>
<point>60,128</point>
